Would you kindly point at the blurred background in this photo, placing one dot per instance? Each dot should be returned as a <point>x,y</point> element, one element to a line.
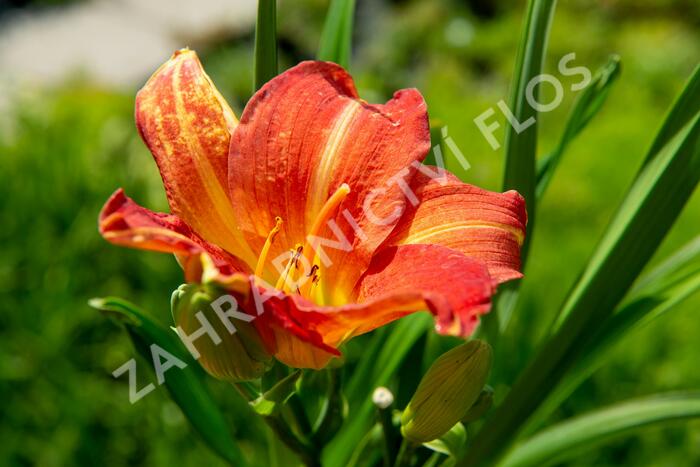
<point>68,73</point>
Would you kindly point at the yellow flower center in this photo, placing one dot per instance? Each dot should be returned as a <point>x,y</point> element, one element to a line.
<point>289,274</point>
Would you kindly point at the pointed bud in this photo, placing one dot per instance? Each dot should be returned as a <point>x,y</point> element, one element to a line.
<point>222,338</point>
<point>447,391</point>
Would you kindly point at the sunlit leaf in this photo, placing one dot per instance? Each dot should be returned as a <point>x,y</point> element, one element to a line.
<point>564,440</point>
<point>657,293</point>
<point>521,146</point>
<point>336,38</point>
<point>185,386</point>
<point>656,198</point>
<point>587,105</point>
<point>683,110</point>
<point>265,42</point>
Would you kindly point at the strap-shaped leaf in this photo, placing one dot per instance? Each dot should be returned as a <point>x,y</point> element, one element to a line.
<point>376,369</point>
<point>684,110</point>
<point>587,105</point>
<point>650,208</point>
<point>658,292</point>
<point>521,147</point>
<point>186,387</point>
<point>265,42</point>
<point>668,271</point>
<point>566,439</point>
<point>336,38</point>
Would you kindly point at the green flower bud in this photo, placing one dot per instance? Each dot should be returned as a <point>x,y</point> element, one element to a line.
<point>222,338</point>
<point>447,391</point>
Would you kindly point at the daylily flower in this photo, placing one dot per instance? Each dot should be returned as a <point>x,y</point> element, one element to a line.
<point>318,201</point>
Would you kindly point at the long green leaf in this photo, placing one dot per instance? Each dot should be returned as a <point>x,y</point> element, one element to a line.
<point>650,208</point>
<point>184,385</point>
<point>265,42</point>
<point>660,291</point>
<point>521,148</point>
<point>677,263</point>
<point>336,38</point>
<point>380,369</point>
<point>684,110</point>
<point>566,439</point>
<point>589,102</point>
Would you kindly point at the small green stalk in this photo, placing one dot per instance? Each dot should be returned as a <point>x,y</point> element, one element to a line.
<point>306,451</point>
<point>383,399</point>
<point>405,456</point>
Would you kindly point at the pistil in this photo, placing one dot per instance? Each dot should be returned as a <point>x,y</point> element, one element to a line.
<point>260,266</point>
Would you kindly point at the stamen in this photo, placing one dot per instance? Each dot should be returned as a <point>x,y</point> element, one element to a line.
<point>322,218</point>
<point>296,253</point>
<point>314,282</point>
<point>326,211</point>
<point>266,247</point>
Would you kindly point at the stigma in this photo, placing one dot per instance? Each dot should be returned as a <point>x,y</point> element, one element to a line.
<point>260,265</point>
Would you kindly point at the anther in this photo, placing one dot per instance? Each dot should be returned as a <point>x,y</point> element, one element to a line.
<point>296,252</point>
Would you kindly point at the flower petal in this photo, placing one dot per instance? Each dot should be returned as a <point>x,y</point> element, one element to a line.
<point>302,136</point>
<point>278,321</point>
<point>455,288</point>
<point>400,281</point>
<point>187,125</point>
<point>484,225</point>
<point>125,223</point>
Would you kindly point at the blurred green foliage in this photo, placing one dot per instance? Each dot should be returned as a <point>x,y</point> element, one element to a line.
<point>64,150</point>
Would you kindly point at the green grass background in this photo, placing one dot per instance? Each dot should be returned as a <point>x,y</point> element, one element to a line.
<point>63,150</point>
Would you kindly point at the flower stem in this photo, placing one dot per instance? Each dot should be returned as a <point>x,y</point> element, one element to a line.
<point>405,456</point>
<point>305,452</point>
<point>279,427</point>
<point>383,400</point>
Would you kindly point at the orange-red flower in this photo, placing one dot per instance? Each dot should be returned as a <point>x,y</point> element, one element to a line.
<point>317,202</point>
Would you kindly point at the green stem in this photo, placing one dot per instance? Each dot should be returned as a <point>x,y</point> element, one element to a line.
<point>433,460</point>
<point>405,456</point>
<point>247,390</point>
<point>305,451</point>
<point>297,413</point>
<point>389,438</point>
<point>333,416</point>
